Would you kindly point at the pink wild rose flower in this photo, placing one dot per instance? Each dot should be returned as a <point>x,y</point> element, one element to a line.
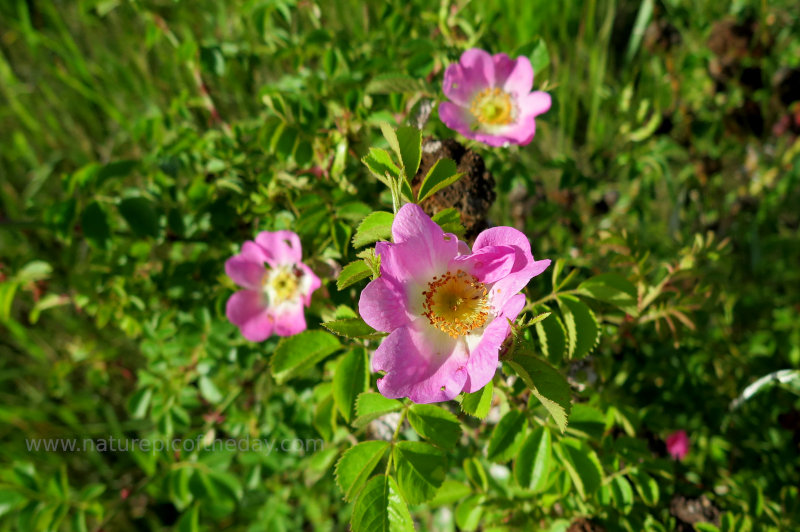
<point>276,286</point>
<point>491,99</point>
<point>678,445</point>
<point>446,308</point>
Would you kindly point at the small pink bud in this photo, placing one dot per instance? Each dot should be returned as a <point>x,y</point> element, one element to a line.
<point>678,444</point>
<point>123,493</point>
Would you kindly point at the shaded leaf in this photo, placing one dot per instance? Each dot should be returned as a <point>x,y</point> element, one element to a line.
<point>478,403</point>
<point>582,328</point>
<point>435,424</point>
<point>370,406</point>
<point>352,273</point>
<point>507,436</point>
<point>533,461</point>
<point>547,385</point>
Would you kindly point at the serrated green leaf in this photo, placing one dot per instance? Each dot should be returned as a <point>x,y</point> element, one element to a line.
<point>376,226</point>
<point>370,406</point>
<point>582,465</point>
<point>94,223</point>
<point>296,354</point>
<point>380,508</point>
<point>141,216</point>
<point>582,328</point>
<point>409,140</point>
<point>547,385</point>
<point>356,465</point>
<point>350,380</point>
<point>533,461</point>
<point>507,436</point>
<point>353,273</point>
<point>611,288</point>
<point>450,221</point>
<point>352,328</point>
<point>443,173</point>
<point>478,403</point>
<point>552,338</point>
<point>421,469</point>
<point>381,165</point>
<point>435,424</point>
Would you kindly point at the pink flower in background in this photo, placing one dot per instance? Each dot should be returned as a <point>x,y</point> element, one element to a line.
<point>491,98</point>
<point>446,307</point>
<point>276,286</point>
<point>678,444</point>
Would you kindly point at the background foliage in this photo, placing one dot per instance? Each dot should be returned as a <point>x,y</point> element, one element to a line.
<point>143,141</point>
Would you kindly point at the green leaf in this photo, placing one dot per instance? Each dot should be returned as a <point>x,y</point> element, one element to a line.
<point>539,56</point>
<point>478,403</point>
<point>582,465</point>
<point>646,486</point>
<point>381,165</point>
<point>140,402</point>
<point>94,223</point>
<point>582,328</point>
<point>395,83</point>
<point>10,500</point>
<point>209,390</point>
<point>435,424</point>
<point>611,288</point>
<point>547,385</point>
<point>380,508</point>
<point>189,521</point>
<point>507,436</point>
<point>450,221</point>
<point>469,513</point>
<point>352,328</point>
<point>350,380</point>
<point>356,465</point>
<point>441,174</point>
<point>533,462</point>
<point>36,270</point>
<point>622,494</point>
<point>296,354</point>
<point>353,273</point>
<point>141,216</point>
<point>552,338</point>
<point>450,492</point>
<point>421,469</point>
<point>409,141</point>
<point>376,226</point>
<point>475,473</point>
<point>391,137</point>
<point>370,406</point>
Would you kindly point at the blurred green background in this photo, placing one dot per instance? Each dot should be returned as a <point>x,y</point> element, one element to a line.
<point>143,141</point>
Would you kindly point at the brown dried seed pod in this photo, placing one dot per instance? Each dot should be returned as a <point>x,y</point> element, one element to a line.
<point>472,195</point>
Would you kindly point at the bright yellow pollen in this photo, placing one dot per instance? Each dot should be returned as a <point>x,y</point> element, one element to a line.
<point>456,303</point>
<point>492,107</point>
<point>283,283</point>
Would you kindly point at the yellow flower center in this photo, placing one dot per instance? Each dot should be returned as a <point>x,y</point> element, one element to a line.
<point>282,284</point>
<point>456,303</point>
<point>493,107</point>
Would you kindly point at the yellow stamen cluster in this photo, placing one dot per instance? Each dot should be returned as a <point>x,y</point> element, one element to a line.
<point>456,303</point>
<point>283,283</point>
<point>493,107</point>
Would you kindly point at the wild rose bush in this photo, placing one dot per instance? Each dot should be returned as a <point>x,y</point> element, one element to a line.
<point>296,266</point>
